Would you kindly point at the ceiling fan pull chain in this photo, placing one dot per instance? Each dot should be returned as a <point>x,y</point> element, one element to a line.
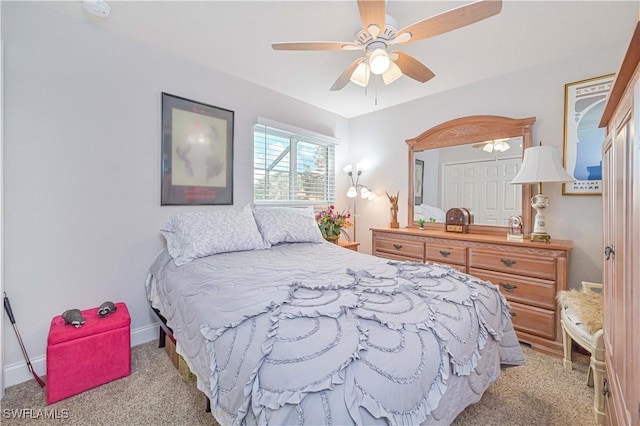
<point>375,83</point>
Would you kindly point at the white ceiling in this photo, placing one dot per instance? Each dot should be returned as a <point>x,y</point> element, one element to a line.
<point>235,37</point>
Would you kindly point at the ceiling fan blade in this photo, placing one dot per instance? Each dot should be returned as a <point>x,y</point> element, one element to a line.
<point>317,45</point>
<point>345,77</point>
<point>411,67</point>
<point>451,20</point>
<point>372,12</point>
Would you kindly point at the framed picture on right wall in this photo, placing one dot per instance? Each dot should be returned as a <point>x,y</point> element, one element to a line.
<point>584,102</point>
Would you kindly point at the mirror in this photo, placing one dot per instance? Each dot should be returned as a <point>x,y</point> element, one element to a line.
<point>469,162</point>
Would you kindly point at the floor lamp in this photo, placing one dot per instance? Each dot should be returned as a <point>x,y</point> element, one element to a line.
<point>541,164</point>
<point>355,188</point>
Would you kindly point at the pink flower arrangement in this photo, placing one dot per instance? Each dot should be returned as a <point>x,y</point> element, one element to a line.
<point>332,222</point>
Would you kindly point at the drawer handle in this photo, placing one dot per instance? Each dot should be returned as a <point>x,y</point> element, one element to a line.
<point>513,314</point>
<point>508,287</point>
<point>398,246</point>
<point>445,253</point>
<point>508,262</point>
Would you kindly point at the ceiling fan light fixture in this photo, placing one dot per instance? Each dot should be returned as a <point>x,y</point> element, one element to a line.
<point>379,61</point>
<point>392,74</point>
<point>360,75</point>
<point>501,145</point>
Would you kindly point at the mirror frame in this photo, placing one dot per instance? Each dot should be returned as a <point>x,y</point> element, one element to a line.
<point>463,131</point>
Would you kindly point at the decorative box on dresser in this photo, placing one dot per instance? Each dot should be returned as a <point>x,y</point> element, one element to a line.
<point>528,274</point>
<point>621,228</point>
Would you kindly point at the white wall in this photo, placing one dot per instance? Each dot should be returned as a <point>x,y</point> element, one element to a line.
<point>82,165</point>
<point>82,153</point>
<point>538,92</point>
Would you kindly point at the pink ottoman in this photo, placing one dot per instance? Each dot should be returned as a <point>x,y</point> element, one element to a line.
<point>82,358</point>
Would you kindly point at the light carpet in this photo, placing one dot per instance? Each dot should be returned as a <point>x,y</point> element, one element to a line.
<point>539,393</point>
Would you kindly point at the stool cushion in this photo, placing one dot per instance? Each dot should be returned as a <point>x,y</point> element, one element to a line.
<point>575,324</point>
<point>585,306</point>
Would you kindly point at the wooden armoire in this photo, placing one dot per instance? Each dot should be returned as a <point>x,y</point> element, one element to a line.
<point>621,269</point>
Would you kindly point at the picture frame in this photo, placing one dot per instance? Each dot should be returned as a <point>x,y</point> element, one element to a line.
<point>197,153</point>
<point>584,102</point>
<point>418,191</point>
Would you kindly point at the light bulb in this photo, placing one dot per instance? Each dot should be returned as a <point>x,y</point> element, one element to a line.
<point>379,61</point>
<point>363,165</point>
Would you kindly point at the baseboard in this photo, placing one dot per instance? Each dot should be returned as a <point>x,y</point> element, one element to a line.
<point>19,372</point>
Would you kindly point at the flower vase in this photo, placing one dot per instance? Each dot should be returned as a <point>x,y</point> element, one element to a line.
<point>332,238</point>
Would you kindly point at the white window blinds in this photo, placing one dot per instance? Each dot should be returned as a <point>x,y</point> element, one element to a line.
<point>292,166</point>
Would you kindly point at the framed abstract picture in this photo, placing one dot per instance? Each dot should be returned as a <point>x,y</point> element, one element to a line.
<point>584,102</point>
<point>418,194</point>
<point>197,153</point>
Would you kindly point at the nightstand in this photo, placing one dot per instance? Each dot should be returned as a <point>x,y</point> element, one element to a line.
<point>351,245</point>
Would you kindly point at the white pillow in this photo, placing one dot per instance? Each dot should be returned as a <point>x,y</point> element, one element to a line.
<point>287,225</point>
<point>199,234</point>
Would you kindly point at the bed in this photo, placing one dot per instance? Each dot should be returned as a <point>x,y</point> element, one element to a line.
<point>297,330</point>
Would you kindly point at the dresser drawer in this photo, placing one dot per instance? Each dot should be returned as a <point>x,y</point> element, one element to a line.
<point>532,320</point>
<point>514,263</point>
<point>444,254</point>
<point>517,288</point>
<point>398,249</point>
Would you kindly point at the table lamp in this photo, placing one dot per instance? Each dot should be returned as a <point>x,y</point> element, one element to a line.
<point>541,164</point>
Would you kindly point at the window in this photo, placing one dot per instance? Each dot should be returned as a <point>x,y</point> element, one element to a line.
<point>292,166</point>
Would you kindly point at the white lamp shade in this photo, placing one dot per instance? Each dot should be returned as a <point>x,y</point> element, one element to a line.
<point>542,164</point>
<point>392,74</point>
<point>348,168</point>
<point>364,192</point>
<point>360,75</point>
<point>488,147</point>
<point>379,61</point>
<point>352,192</point>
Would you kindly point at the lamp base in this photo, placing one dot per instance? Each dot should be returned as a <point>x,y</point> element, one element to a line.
<point>539,236</point>
<point>394,224</point>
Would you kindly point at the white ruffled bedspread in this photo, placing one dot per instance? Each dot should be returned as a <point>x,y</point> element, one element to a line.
<point>316,334</point>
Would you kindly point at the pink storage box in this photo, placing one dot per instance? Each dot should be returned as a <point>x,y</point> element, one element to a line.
<point>79,359</point>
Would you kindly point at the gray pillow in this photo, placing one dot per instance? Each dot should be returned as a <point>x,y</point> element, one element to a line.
<point>199,234</point>
<point>287,225</point>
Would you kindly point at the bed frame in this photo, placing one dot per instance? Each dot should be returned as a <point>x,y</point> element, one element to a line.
<point>164,331</point>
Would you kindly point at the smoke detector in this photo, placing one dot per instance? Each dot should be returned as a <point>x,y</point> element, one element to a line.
<point>98,8</point>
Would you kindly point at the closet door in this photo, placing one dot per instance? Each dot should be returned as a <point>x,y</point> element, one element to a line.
<point>620,270</point>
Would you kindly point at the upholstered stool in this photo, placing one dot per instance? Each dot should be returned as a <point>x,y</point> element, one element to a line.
<point>575,328</point>
<point>79,359</point>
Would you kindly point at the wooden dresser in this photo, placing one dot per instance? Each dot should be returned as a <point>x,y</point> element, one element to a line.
<point>528,274</point>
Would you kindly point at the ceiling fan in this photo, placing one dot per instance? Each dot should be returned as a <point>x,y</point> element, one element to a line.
<point>495,145</point>
<point>379,32</point>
